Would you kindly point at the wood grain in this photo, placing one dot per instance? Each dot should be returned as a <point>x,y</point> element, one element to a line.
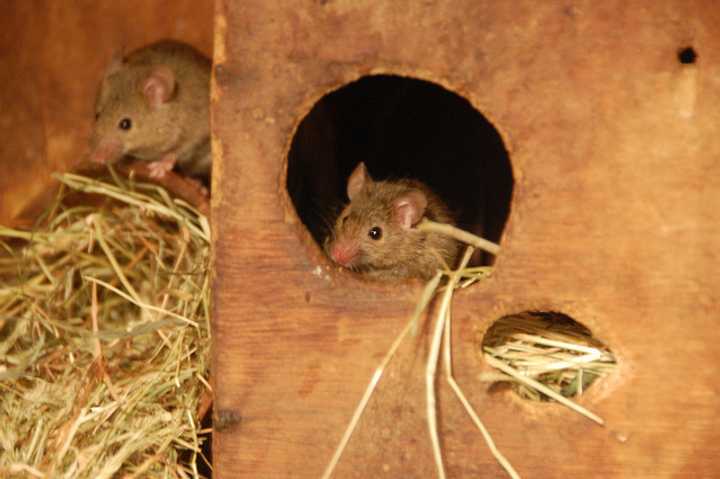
<point>615,148</point>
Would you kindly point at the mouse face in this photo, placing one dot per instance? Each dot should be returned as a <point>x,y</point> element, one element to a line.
<point>375,233</point>
<point>132,115</point>
<point>363,236</point>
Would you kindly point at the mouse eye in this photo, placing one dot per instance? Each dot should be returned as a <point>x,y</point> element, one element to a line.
<point>125,124</point>
<point>375,233</point>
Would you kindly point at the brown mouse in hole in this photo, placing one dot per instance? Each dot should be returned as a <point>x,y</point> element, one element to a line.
<point>375,233</point>
<point>154,106</point>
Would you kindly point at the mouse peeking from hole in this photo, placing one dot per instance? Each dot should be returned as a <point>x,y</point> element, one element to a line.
<point>375,233</point>
<point>153,105</point>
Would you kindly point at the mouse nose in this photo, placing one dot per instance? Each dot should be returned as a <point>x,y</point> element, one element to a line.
<point>106,151</point>
<point>343,254</point>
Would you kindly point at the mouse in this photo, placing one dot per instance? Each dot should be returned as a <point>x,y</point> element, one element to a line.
<point>153,105</point>
<point>375,233</point>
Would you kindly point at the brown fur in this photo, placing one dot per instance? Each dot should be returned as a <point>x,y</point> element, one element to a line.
<point>401,252</point>
<point>180,126</point>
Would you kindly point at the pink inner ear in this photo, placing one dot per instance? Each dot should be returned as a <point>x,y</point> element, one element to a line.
<point>410,208</point>
<point>159,86</point>
<point>358,180</point>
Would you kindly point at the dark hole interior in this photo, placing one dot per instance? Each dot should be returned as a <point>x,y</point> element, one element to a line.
<point>401,128</point>
<point>687,55</point>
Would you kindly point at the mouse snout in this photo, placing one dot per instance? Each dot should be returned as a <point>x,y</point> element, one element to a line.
<point>344,253</point>
<point>106,151</point>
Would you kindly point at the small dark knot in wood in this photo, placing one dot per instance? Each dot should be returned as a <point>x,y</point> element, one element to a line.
<point>226,419</point>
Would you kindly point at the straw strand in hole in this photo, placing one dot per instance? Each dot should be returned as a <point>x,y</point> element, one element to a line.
<point>546,356</point>
<point>502,366</point>
<point>459,234</point>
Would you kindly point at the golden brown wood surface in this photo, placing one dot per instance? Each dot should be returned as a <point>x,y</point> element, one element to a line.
<point>53,54</point>
<point>616,157</point>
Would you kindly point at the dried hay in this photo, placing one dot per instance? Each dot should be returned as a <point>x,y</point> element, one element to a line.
<point>105,337</point>
<point>546,356</point>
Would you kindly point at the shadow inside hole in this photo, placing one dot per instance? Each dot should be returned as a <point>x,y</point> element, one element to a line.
<point>401,128</point>
<point>687,56</point>
<point>203,457</point>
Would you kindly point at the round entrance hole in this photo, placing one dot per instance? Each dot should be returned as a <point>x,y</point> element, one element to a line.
<point>547,347</point>
<point>400,128</point>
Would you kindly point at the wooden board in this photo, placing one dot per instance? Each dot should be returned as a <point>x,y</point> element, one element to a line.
<point>615,151</point>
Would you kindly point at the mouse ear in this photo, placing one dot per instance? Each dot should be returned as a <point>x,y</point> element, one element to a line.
<point>410,208</point>
<point>158,86</point>
<point>358,180</point>
<point>117,61</point>
<point>115,65</point>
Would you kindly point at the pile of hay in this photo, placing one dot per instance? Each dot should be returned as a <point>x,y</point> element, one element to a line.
<point>105,337</point>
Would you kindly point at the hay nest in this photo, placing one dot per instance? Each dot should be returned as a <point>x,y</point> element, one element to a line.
<point>545,356</point>
<point>105,337</point>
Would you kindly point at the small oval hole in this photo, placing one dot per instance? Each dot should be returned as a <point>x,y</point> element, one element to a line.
<point>550,348</point>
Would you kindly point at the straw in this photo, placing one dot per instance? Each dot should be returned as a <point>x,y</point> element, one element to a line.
<point>104,336</point>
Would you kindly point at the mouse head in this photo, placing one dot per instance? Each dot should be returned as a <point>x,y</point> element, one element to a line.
<point>131,112</point>
<point>376,230</point>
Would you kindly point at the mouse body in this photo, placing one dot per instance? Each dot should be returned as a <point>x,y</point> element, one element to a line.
<point>153,105</point>
<point>375,233</point>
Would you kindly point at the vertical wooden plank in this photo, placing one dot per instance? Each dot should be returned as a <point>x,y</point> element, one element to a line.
<point>614,148</point>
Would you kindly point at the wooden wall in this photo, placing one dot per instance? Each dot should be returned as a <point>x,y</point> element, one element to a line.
<point>615,151</point>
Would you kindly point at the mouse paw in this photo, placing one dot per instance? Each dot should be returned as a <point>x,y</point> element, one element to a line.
<point>158,169</point>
